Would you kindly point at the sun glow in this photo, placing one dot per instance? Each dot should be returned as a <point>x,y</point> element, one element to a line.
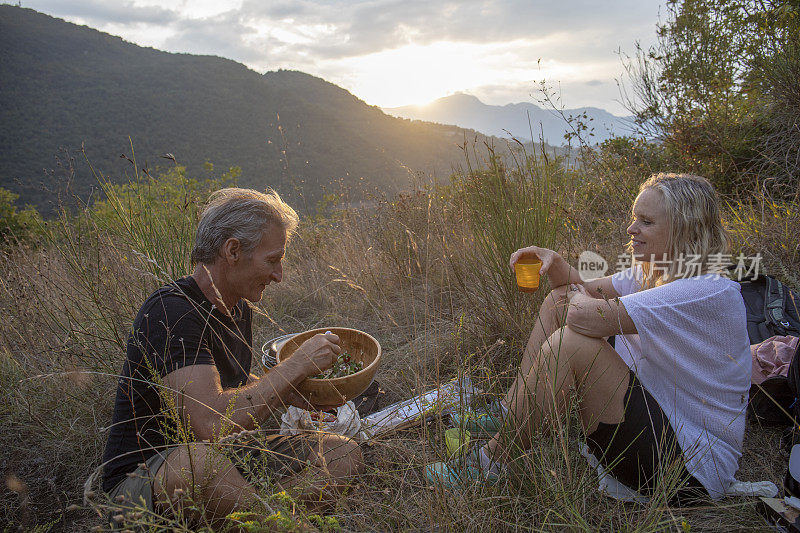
<point>417,74</point>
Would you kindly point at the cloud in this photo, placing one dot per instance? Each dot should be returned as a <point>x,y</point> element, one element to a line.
<point>519,41</point>
<point>103,12</point>
<point>296,30</point>
<point>224,35</point>
<point>381,24</point>
<point>352,29</point>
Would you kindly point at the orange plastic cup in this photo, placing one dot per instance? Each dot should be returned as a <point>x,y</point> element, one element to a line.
<point>527,271</point>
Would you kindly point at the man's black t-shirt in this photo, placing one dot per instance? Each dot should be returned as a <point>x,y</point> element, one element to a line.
<point>177,326</point>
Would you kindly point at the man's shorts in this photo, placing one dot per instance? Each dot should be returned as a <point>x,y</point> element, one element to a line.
<point>268,455</point>
<point>643,447</point>
<point>137,488</point>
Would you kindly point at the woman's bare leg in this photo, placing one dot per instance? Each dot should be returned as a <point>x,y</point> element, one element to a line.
<point>566,360</point>
<point>551,317</point>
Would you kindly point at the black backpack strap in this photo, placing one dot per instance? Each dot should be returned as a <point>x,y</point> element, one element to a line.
<point>793,375</point>
<point>791,312</point>
<point>774,300</point>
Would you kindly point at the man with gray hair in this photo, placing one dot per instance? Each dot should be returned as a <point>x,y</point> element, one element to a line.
<point>186,379</point>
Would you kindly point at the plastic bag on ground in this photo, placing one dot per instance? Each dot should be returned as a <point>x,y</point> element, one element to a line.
<point>345,422</point>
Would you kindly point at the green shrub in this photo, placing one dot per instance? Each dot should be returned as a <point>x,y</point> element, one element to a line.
<point>507,208</point>
<point>156,217</point>
<point>17,225</point>
<point>719,91</point>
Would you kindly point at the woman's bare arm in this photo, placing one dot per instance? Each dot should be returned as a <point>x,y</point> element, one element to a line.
<point>561,273</point>
<point>597,317</point>
<point>601,288</point>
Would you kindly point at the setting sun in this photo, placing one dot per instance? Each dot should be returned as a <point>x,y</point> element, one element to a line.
<point>419,74</point>
<point>416,74</point>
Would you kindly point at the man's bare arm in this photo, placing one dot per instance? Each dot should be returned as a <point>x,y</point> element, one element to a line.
<point>211,411</point>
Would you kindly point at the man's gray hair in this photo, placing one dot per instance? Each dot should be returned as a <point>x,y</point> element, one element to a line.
<point>243,214</point>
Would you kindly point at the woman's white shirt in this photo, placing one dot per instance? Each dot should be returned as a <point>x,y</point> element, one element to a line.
<point>692,353</point>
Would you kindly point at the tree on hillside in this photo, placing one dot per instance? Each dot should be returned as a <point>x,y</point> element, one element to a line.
<point>720,90</point>
<point>16,225</point>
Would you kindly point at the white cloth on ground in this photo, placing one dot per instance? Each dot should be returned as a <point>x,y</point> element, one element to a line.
<point>611,486</point>
<point>692,354</point>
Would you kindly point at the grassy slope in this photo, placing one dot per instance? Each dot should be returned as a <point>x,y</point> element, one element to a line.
<point>403,271</point>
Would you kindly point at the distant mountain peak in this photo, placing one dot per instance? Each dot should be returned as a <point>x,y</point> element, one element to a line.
<point>520,120</point>
<point>461,97</point>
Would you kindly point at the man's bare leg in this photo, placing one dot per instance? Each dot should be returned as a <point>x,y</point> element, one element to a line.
<point>335,463</point>
<point>203,476</point>
<point>196,474</point>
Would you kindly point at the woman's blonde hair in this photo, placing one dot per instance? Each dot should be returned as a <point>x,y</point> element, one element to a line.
<point>696,231</point>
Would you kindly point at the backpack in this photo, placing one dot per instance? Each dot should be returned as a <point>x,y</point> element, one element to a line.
<point>791,481</point>
<point>772,309</point>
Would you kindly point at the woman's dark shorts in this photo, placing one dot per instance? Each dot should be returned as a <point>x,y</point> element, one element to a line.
<point>642,450</point>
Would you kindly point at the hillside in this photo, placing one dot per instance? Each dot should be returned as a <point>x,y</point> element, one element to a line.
<point>65,86</point>
<point>517,119</point>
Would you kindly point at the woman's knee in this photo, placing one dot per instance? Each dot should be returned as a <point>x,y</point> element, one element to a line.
<point>555,305</point>
<point>559,294</point>
<point>569,343</point>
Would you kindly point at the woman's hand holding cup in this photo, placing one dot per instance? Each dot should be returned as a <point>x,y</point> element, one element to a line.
<point>529,264</point>
<point>534,252</point>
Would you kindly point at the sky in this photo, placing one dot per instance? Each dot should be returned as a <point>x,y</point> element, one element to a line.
<point>398,52</point>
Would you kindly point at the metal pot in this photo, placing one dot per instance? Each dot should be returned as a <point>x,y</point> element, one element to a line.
<point>270,349</point>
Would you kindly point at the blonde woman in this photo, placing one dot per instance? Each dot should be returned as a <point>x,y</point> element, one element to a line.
<point>670,396</point>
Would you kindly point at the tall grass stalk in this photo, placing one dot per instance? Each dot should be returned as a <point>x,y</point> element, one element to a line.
<point>507,208</point>
<point>156,217</point>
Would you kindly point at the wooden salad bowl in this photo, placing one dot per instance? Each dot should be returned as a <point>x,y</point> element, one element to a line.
<point>336,391</point>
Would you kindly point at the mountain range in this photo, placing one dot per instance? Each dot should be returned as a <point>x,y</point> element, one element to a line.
<point>70,93</point>
<point>523,121</point>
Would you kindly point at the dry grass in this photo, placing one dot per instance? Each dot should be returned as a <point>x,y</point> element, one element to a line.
<point>398,269</point>
<point>762,224</point>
